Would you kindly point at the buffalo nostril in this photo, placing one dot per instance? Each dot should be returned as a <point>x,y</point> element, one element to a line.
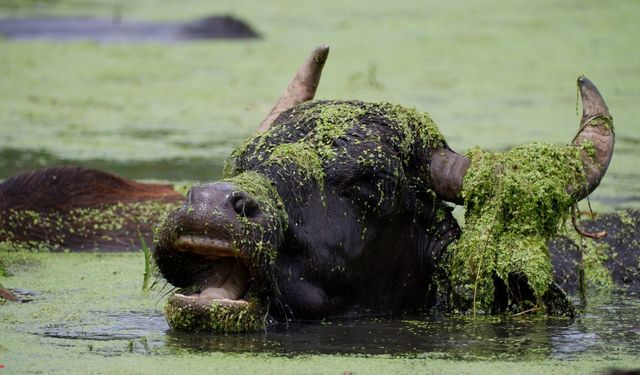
<point>244,205</point>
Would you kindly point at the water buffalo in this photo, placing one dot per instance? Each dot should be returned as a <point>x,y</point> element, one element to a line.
<point>333,209</point>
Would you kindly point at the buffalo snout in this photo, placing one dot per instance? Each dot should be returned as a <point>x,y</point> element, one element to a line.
<point>217,202</point>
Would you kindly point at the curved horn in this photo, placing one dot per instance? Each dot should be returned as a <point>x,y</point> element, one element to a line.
<point>301,88</point>
<point>447,172</point>
<point>448,168</point>
<point>596,127</point>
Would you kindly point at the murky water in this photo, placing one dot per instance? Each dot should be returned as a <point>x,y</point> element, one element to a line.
<point>14,161</point>
<point>595,332</point>
<point>491,73</point>
<point>612,326</point>
<point>87,307</point>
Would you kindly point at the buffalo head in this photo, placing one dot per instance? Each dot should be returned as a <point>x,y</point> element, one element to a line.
<point>334,209</point>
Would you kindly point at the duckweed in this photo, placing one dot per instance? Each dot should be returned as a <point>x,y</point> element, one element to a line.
<point>320,138</point>
<point>515,202</point>
<point>261,237</point>
<point>303,156</point>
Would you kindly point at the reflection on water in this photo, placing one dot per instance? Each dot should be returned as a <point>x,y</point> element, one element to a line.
<point>610,326</point>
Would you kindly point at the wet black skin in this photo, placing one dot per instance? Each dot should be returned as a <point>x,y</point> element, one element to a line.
<point>338,256</point>
<point>326,267</point>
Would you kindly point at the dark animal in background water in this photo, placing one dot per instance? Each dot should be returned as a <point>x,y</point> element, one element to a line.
<point>117,30</point>
<point>334,209</point>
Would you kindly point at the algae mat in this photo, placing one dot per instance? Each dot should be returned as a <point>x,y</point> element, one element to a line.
<point>492,73</point>
<point>88,313</point>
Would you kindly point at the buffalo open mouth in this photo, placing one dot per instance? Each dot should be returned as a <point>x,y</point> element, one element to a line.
<point>221,303</point>
<point>230,278</point>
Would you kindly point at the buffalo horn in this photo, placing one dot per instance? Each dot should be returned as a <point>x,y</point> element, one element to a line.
<point>448,168</point>
<point>302,87</point>
<point>447,173</point>
<point>596,127</point>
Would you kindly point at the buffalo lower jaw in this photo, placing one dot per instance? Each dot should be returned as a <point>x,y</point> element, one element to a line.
<point>187,313</point>
<point>221,305</point>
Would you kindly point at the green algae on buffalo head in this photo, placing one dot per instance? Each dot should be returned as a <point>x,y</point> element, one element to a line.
<point>308,142</point>
<point>304,157</point>
<point>599,266</point>
<point>515,202</point>
<point>258,240</point>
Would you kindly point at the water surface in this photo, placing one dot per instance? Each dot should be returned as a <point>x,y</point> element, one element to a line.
<point>84,309</point>
<point>492,73</point>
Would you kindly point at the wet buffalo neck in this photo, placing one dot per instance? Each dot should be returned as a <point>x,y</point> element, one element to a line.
<point>342,264</point>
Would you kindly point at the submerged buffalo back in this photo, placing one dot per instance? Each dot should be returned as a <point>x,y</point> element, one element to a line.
<point>612,261</point>
<point>80,209</point>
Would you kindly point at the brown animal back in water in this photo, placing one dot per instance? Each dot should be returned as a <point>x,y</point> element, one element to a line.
<point>80,209</point>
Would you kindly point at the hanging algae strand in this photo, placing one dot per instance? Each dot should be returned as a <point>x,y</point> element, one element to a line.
<point>515,202</point>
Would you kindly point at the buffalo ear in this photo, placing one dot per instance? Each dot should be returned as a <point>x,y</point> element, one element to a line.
<point>302,87</point>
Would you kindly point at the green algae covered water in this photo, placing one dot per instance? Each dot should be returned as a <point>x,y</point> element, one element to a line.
<point>492,73</point>
<point>87,313</point>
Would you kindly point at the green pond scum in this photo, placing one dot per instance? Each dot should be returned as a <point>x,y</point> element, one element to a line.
<point>604,262</point>
<point>307,139</point>
<point>594,257</point>
<point>159,106</point>
<point>92,317</point>
<point>258,239</point>
<point>515,202</point>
